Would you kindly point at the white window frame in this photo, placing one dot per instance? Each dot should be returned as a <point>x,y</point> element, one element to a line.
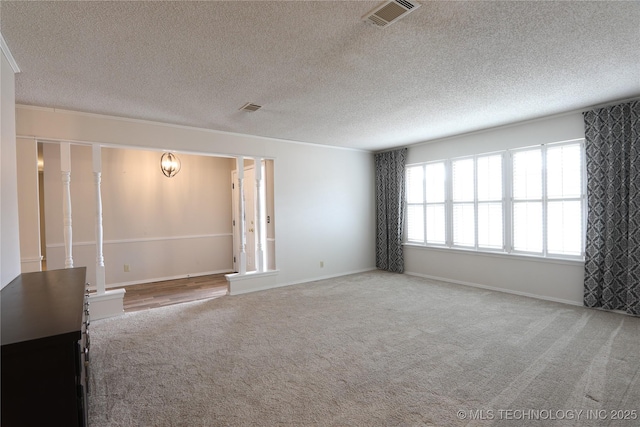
<point>476,203</point>
<point>421,204</point>
<point>507,204</point>
<point>424,204</point>
<point>473,202</point>
<point>545,200</point>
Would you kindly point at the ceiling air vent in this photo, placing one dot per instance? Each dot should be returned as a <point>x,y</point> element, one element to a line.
<point>250,107</point>
<point>389,12</point>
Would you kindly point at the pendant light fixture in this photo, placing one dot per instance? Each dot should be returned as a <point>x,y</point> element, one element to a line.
<point>170,164</point>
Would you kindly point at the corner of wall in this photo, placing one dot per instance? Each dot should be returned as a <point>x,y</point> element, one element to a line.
<point>10,245</point>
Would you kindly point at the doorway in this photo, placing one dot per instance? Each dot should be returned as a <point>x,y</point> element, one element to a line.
<point>251,216</point>
<point>41,210</point>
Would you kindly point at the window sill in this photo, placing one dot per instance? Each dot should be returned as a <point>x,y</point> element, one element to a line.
<point>503,255</point>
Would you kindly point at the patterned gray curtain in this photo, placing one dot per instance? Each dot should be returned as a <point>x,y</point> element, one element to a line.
<point>390,183</point>
<point>612,259</point>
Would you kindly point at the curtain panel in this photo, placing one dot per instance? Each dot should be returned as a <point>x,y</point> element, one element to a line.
<point>612,253</point>
<point>390,193</point>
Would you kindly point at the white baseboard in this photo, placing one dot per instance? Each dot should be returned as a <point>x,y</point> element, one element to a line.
<point>237,290</point>
<point>493,288</point>
<point>329,276</point>
<point>28,265</point>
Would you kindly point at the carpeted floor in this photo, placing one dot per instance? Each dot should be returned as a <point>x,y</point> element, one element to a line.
<point>372,349</point>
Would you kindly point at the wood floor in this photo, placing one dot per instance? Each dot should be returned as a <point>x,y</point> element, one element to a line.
<point>159,294</point>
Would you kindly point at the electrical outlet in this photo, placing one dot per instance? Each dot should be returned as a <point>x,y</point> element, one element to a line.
<point>321,264</point>
<point>127,268</point>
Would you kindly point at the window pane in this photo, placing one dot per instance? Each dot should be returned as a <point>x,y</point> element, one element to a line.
<point>564,227</point>
<point>435,182</point>
<point>564,171</point>
<point>527,226</point>
<point>544,188</point>
<point>435,224</point>
<point>415,190</point>
<point>527,174</point>
<point>463,224</point>
<point>490,178</point>
<point>415,223</point>
<point>490,225</point>
<point>462,180</point>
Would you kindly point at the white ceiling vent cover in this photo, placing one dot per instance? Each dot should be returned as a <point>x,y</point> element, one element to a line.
<point>249,107</point>
<point>389,12</point>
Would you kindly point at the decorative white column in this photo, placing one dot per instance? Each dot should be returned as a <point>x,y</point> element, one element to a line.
<point>103,303</point>
<point>241,216</point>
<point>97,177</point>
<point>243,281</point>
<point>260,225</point>
<point>65,172</point>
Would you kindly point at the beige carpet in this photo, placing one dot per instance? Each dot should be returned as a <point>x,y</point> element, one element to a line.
<point>373,349</point>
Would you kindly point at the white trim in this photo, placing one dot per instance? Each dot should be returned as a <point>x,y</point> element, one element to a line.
<point>108,304</point>
<point>329,276</point>
<point>252,275</point>
<point>236,277</point>
<point>7,54</point>
<point>492,288</point>
<point>160,279</point>
<point>507,202</point>
<point>503,255</point>
<point>143,240</point>
<point>175,126</point>
<point>252,282</point>
<point>28,265</point>
<point>32,259</point>
<point>106,296</point>
<point>47,140</point>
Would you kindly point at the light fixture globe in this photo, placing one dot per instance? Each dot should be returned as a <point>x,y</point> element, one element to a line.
<point>170,164</point>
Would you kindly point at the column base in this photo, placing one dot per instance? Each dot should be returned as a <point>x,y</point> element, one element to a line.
<point>109,304</point>
<point>252,281</point>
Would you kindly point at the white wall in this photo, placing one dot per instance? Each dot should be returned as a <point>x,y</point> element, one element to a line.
<point>323,196</point>
<point>160,227</point>
<point>28,204</point>
<point>9,235</point>
<point>554,280</point>
<point>325,211</point>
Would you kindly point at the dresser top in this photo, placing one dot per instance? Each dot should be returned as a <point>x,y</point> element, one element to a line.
<point>43,305</point>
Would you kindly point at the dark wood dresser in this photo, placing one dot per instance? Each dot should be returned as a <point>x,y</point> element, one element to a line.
<point>45,349</point>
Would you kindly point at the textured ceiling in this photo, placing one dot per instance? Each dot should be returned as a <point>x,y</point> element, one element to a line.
<point>321,74</point>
